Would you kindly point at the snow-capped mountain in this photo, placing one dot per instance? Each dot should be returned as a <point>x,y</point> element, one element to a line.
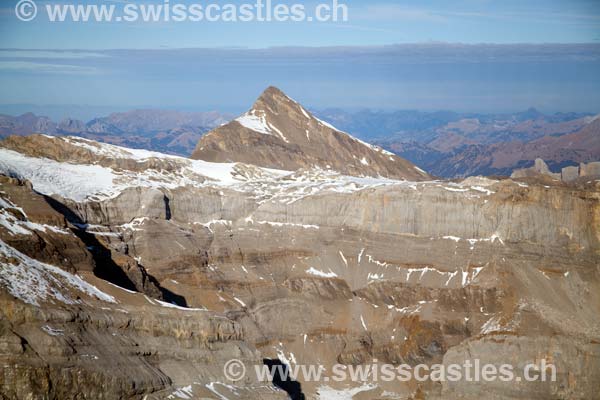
<point>278,132</point>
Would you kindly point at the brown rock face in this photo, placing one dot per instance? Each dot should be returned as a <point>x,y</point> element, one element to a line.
<point>279,133</point>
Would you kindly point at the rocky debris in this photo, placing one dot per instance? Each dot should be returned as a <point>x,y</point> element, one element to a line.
<point>279,133</point>
<point>306,267</point>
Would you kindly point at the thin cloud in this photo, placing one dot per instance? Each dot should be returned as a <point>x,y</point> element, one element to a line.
<point>48,54</point>
<point>388,12</point>
<point>31,67</point>
<point>363,28</point>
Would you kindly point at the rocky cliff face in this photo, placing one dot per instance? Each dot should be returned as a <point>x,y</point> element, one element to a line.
<point>279,133</point>
<point>225,261</point>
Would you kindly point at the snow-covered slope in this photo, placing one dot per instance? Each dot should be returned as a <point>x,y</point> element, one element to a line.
<point>35,282</point>
<point>86,170</point>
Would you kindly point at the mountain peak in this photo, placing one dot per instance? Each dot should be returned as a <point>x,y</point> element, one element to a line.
<point>272,92</point>
<point>272,98</point>
<point>277,132</point>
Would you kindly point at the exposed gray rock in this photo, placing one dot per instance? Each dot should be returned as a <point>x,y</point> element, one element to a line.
<point>590,169</point>
<point>539,168</point>
<point>569,174</point>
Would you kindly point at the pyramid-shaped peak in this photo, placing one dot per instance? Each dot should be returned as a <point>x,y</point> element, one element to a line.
<point>273,96</point>
<point>277,132</point>
<point>272,92</point>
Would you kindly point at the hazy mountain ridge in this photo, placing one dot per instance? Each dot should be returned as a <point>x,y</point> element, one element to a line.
<point>445,143</point>
<point>172,132</point>
<point>450,144</point>
<point>422,126</point>
<point>455,155</point>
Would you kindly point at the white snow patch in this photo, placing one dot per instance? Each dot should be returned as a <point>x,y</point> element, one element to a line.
<point>304,112</point>
<point>183,393</point>
<point>122,288</point>
<point>51,177</point>
<point>483,190</point>
<point>175,306</point>
<point>289,359</point>
<point>362,321</point>
<point>256,120</point>
<point>134,224</point>
<point>12,225</point>
<point>81,181</point>
<point>239,301</point>
<point>492,325</point>
<point>455,238</point>
<point>52,331</point>
<point>212,388</point>
<point>280,224</point>
<point>343,258</point>
<point>374,277</point>
<point>377,262</point>
<point>453,189</point>
<point>328,393</point>
<point>17,227</point>
<point>316,272</point>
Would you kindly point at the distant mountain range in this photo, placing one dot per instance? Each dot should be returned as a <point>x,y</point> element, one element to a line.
<point>443,143</point>
<point>449,144</point>
<point>171,132</point>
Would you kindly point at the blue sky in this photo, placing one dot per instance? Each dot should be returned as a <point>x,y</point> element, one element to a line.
<point>351,64</point>
<point>375,22</point>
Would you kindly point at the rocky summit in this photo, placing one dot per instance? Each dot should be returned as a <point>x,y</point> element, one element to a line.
<point>279,133</point>
<point>130,274</point>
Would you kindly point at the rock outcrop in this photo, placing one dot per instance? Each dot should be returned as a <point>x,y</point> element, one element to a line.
<point>567,174</point>
<point>539,168</point>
